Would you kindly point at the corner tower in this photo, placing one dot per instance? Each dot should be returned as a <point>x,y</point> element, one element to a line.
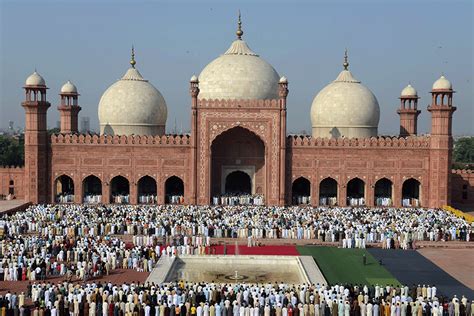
<point>36,140</point>
<point>441,110</point>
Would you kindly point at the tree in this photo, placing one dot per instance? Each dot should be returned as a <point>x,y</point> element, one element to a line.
<point>12,151</point>
<point>464,150</point>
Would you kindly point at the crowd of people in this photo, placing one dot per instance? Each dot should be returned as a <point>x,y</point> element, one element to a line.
<point>81,241</point>
<point>212,299</point>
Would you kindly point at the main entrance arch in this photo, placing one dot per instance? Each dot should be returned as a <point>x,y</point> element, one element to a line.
<point>238,182</point>
<point>237,163</point>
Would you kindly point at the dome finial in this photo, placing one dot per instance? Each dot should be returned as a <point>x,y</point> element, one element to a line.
<point>239,28</point>
<point>346,63</point>
<point>132,61</point>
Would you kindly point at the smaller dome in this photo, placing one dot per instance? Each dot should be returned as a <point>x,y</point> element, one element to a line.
<point>409,91</point>
<point>283,80</point>
<point>35,80</point>
<point>68,87</point>
<point>442,84</point>
<point>194,78</point>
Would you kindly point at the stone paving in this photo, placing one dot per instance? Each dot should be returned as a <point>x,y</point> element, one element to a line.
<point>459,263</point>
<point>117,277</point>
<point>6,206</point>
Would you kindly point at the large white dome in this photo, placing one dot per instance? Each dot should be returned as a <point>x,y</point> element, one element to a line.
<point>238,74</point>
<point>345,108</point>
<point>132,105</point>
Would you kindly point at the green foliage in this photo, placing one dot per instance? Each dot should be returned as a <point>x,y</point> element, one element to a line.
<point>12,151</point>
<point>52,131</point>
<point>464,150</point>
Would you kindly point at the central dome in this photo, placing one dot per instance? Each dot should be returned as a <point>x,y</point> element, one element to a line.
<point>132,105</point>
<point>345,108</point>
<point>238,74</point>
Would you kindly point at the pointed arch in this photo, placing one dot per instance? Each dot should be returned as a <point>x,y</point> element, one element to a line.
<point>238,182</point>
<point>92,189</point>
<point>383,192</point>
<point>355,192</point>
<point>119,190</point>
<point>301,191</point>
<point>411,193</point>
<point>328,192</point>
<point>147,190</point>
<point>64,189</point>
<point>174,190</point>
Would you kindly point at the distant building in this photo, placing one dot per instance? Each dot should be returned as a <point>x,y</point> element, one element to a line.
<point>85,124</point>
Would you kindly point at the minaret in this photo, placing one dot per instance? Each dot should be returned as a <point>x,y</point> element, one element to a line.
<point>194,92</point>
<point>283,94</point>
<point>36,140</point>
<point>441,110</point>
<point>69,108</point>
<point>408,111</point>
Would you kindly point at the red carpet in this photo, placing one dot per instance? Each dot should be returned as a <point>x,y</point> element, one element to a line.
<point>263,250</point>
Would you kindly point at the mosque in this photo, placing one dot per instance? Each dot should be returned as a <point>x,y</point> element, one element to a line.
<point>239,144</point>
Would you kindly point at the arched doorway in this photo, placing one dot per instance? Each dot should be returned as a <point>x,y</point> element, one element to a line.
<point>328,192</point>
<point>355,192</point>
<point>238,183</point>
<point>147,190</point>
<point>238,150</point>
<point>11,187</point>
<point>301,191</point>
<point>383,192</point>
<point>119,190</point>
<point>64,189</point>
<point>411,193</point>
<point>174,190</point>
<point>92,189</point>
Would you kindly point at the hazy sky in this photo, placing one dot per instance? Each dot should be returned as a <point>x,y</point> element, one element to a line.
<point>390,43</point>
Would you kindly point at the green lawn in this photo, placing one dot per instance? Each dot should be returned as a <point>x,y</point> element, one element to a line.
<point>346,266</point>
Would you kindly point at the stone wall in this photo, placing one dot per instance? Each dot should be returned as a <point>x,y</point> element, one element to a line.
<point>462,190</point>
<point>394,158</point>
<point>12,180</point>
<point>132,157</point>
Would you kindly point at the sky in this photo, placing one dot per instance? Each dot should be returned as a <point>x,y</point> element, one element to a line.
<point>390,44</point>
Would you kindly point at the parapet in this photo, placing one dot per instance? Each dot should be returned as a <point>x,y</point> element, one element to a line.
<point>166,140</point>
<point>222,103</point>
<point>11,168</point>
<point>372,142</point>
<point>462,171</point>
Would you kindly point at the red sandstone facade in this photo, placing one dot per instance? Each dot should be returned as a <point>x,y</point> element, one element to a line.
<point>248,136</point>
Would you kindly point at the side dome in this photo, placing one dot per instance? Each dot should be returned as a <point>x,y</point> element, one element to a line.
<point>442,84</point>
<point>132,105</point>
<point>35,80</point>
<point>409,91</point>
<point>68,87</point>
<point>238,74</point>
<point>345,108</point>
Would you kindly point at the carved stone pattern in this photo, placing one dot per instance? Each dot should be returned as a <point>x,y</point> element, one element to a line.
<point>208,133</point>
